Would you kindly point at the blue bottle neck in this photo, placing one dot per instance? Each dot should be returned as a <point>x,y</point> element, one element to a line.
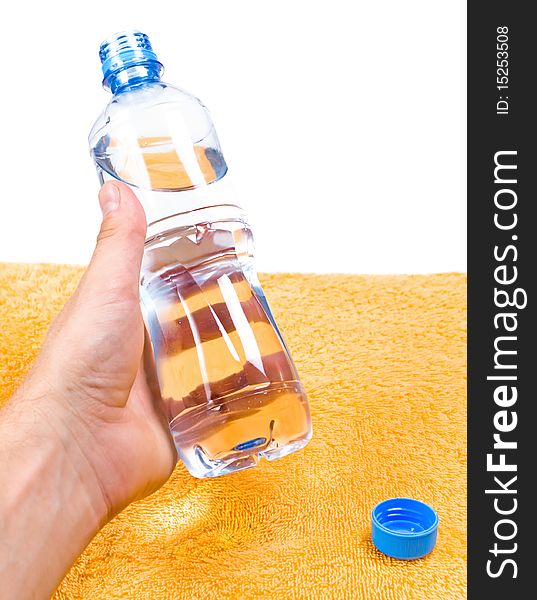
<point>127,61</point>
<point>133,77</point>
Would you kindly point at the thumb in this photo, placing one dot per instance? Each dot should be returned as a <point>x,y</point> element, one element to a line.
<point>117,258</point>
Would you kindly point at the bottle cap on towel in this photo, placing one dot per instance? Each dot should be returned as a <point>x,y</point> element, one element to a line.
<point>404,528</point>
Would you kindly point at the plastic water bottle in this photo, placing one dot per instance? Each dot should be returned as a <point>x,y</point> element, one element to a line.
<point>228,385</point>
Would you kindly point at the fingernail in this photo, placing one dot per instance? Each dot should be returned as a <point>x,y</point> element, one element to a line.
<point>109,198</point>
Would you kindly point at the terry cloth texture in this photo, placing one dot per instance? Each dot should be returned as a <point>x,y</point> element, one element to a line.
<point>383,361</point>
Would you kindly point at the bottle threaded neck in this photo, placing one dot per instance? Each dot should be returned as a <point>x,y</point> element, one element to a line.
<point>127,58</point>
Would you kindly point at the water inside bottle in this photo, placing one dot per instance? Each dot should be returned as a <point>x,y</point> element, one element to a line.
<point>228,387</point>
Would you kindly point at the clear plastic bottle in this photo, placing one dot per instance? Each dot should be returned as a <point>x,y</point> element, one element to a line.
<point>228,385</point>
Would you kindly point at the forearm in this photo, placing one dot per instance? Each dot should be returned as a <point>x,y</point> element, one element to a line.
<point>47,516</point>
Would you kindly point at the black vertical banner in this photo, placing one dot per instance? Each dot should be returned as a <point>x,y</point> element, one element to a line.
<point>502,269</point>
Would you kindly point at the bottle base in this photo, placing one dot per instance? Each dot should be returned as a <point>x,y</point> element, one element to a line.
<point>233,465</point>
<point>234,434</point>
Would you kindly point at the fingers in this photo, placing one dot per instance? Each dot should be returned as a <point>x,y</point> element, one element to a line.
<point>96,343</point>
<point>117,258</point>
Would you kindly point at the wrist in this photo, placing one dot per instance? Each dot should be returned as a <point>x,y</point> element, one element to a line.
<point>49,510</point>
<point>41,431</point>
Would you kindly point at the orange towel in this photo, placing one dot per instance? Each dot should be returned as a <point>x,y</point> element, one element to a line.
<point>383,360</point>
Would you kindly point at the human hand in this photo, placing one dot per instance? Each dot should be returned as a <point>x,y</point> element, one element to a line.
<point>90,381</point>
<point>88,403</point>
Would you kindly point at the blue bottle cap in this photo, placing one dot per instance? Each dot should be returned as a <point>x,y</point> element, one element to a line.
<point>404,528</point>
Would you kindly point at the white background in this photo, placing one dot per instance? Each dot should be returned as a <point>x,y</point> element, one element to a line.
<point>343,124</point>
